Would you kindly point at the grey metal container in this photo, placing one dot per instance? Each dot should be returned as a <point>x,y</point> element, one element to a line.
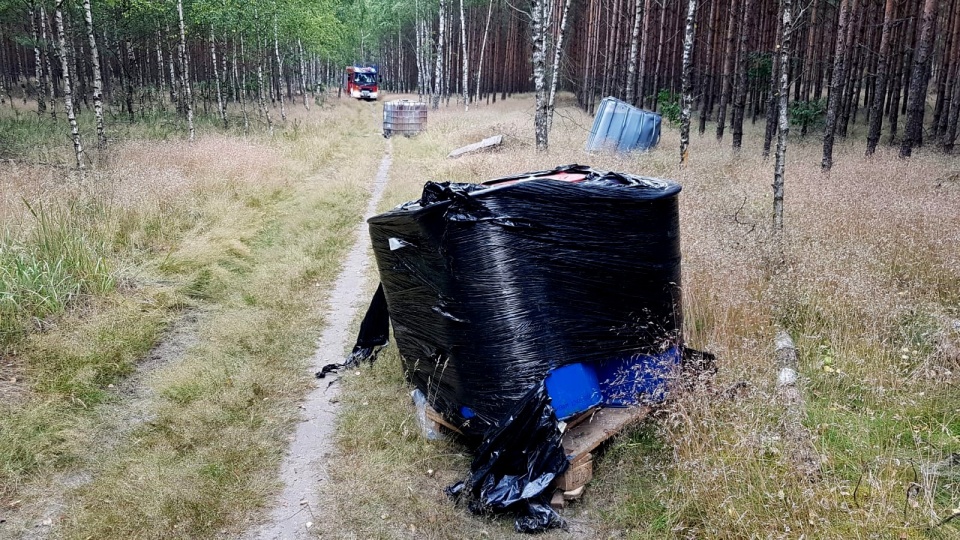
<point>621,127</point>
<point>403,117</point>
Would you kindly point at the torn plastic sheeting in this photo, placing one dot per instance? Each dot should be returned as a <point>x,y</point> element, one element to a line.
<point>518,460</point>
<point>489,287</point>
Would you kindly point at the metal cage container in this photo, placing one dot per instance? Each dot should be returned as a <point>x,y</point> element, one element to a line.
<point>403,117</point>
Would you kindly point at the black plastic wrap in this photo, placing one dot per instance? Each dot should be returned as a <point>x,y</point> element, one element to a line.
<point>491,286</point>
<point>518,460</point>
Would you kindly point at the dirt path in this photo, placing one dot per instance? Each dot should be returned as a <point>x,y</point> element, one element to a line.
<point>304,468</point>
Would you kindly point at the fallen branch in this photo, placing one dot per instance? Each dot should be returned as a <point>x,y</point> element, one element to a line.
<point>801,450</point>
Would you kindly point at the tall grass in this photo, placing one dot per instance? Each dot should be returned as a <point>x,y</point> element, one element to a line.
<point>59,259</point>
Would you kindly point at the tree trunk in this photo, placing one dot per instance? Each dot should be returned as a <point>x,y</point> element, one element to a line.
<point>37,63</point>
<point>242,94</point>
<point>916,105</point>
<point>438,83</point>
<point>67,88</point>
<point>185,70</point>
<point>464,61</point>
<point>51,92</point>
<point>836,89</point>
<point>483,46</point>
<point>706,81</point>
<point>880,84</point>
<point>276,52</point>
<point>303,77</point>
<point>538,16</point>
<point>688,40</point>
<point>221,109</point>
<point>783,130</point>
<point>772,123</point>
<point>740,89</point>
<point>729,59</point>
<point>557,52</point>
<point>97,79</point>
<point>634,47</point>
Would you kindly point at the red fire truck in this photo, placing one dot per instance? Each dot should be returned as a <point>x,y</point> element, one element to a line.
<point>362,82</point>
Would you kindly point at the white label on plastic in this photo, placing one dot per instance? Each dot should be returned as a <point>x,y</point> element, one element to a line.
<point>396,243</point>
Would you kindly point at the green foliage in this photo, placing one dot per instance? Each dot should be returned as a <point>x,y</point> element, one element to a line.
<point>760,66</point>
<point>669,105</point>
<point>807,113</point>
<point>40,274</point>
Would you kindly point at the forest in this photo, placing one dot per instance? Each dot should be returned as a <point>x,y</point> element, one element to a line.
<point>882,62</point>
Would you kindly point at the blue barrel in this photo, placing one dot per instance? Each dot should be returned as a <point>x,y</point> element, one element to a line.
<point>620,127</point>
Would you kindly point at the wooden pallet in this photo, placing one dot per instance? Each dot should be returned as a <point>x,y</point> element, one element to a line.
<point>582,435</point>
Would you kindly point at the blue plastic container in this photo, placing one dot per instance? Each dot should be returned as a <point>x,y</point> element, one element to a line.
<point>621,127</point>
<point>636,379</point>
<point>573,388</point>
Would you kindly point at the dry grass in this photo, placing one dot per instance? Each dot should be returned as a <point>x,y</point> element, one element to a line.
<point>246,232</point>
<point>869,285</point>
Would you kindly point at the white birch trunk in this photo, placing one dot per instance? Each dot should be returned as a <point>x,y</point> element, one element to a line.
<point>687,82</point>
<point>303,76</point>
<point>67,88</point>
<point>438,83</point>
<point>557,52</point>
<point>175,90</point>
<point>38,63</point>
<point>483,46</point>
<point>97,79</point>
<point>784,123</point>
<point>242,94</point>
<point>221,109</point>
<point>185,70</point>
<point>160,70</point>
<point>51,95</point>
<point>276,52</point>
<point>634,47</point>
<point>464,60</point>
<point>538,17</point>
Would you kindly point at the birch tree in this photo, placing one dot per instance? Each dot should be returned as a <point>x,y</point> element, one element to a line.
<point>555,68</point>
<point>634,46</point>
<point>688,40</point>
<point>279,60</point>
<point>221,109</point>
<point>538,23</point>
<point>438,82</point>
<point>185,70</point>
<point>783,129</point>
<point>67,85</point>
<point>464,60</point>
<point>483,47</point>
<point>97,78</point>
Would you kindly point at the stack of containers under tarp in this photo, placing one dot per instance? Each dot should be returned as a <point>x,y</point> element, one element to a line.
<point>523,301</point>
<point>572,273</point>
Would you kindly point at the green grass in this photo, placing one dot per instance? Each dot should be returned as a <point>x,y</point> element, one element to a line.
<point>43,272</point>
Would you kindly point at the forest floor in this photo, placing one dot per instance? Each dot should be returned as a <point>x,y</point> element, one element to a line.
<point>161,404</point>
